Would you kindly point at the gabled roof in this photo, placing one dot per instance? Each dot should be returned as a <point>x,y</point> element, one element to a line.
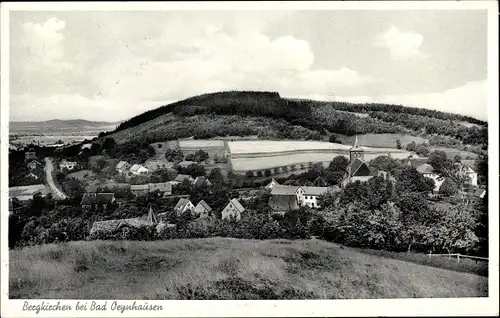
<point>182,177</point>
<point>205,205</point>
<point>284,190</point>
<point>35,162</point>
<point>136,167</point>
<point>271,184</point>
<point>162,186</point>
<point>356,165</point>
<point>237,205</point>
<point>425,168</point>
<point>479,192</point>
<point>201,181</point>
<point>121,164</point>
<point>181,204</point>
<point>315,190</point>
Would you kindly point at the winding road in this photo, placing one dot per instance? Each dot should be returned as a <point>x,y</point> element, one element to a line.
<point>48,171</point>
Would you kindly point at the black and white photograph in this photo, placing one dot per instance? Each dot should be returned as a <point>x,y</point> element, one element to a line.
<point>279,152</point>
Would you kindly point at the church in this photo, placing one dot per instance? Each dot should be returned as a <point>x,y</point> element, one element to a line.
<point>358,169</point>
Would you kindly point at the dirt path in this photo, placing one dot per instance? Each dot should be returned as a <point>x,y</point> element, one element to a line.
<point>48,171</point>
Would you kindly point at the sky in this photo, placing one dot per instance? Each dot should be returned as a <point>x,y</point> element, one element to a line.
<point>110,66</point>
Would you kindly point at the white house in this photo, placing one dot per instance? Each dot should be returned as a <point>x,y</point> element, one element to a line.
<point>428,172</point>
<point>202,209</point>
<point>122,166</point>
<point>138,170</point>
<point>466,170</point>
<point>183,205</point>
<point>233,209</point>
<point>70,165</point>
<point>311,194</point>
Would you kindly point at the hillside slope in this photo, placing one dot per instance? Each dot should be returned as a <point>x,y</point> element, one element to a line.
<point>244,113</point>
<point>223,268</point>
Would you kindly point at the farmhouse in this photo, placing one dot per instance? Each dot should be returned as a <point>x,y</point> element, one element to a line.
<point>311,194</point>
<point>202,209</point>
<point>122,167</point>
<point>34,164</point>
<point>201,182</point>
<point>103,199</point>
<point>183,205</point>
<point>466,170</point>
<point>70,165</point>
<point>138,170</point>
<point>233,209</point>
<point>281,190</point>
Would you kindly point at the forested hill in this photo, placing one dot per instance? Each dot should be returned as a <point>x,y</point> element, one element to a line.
<point>311,118</point>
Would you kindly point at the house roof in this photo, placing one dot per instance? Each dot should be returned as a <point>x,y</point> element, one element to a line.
<point>136,167</point>
<point>315,190</point>
<point>162,186</point>
<point>237,205</point>
<point>284,190</point>
<point>121,164</point>
<point>425,168</point>
<point>479,192</point>
<point>205,205</point>
<point>355,165</point>
<point>272,183</point>
<point>27,190</point>
<point>181,204</point>
<point>182,177</point>
<point>200,181</point>
<point>113,225</point>
<point>139,187</point>
<point>35,162</point>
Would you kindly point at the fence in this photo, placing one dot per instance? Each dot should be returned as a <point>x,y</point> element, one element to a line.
<point>458,256</point>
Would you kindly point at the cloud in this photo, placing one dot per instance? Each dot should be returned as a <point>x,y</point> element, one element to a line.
<point>401,45</point>
<point>468,99</point>
<point>42,45</point>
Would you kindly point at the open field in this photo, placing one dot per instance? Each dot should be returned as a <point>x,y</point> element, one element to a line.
<point>223,268</point>
<point>264,154</point>
<point>451,152</point>
<point>381,140</point>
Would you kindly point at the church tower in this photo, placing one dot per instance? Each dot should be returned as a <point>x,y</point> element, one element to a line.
<point>356,151</point>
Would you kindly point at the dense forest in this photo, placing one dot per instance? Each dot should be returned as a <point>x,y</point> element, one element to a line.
<point>316,118</point>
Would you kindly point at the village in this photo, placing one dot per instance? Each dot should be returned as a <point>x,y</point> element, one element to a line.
<point>149,180</point>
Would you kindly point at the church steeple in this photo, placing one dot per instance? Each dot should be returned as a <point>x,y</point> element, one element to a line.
<point>356,151</point>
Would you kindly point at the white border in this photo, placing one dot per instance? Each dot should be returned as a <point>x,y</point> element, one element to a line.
<point>347,308</point>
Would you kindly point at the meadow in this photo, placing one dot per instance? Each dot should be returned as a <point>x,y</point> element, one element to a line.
<point>224,268</point>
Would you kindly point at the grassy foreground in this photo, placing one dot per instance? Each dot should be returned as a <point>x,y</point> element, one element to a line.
<point>223,268</point>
